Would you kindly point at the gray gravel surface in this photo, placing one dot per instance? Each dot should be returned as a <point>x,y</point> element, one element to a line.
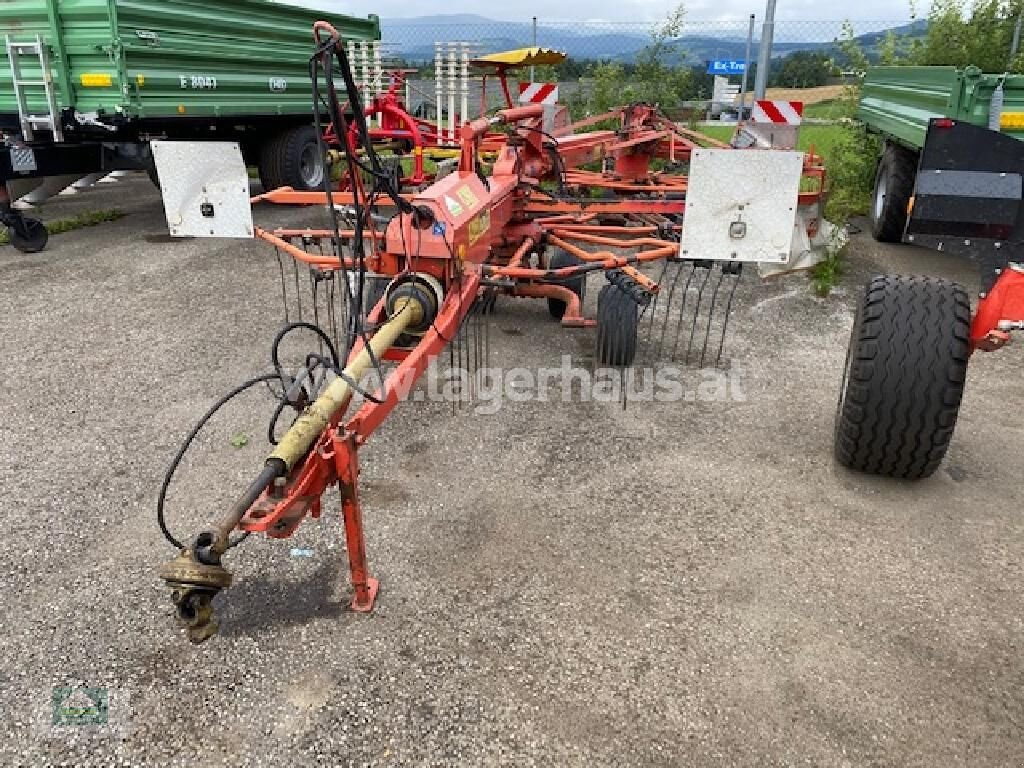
<point>563,583</point>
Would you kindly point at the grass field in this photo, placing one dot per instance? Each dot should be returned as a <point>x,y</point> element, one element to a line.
<point>823,138</point>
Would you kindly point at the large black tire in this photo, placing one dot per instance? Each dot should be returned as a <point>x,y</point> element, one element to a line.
<point>904,376</point>
<point>618,320</point>
<point>894,184</point>
<point>292,159</point>
<point>577,285</point>
<point>30,237</point>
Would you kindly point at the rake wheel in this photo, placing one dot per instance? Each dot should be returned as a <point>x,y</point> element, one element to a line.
<point>618,319</point>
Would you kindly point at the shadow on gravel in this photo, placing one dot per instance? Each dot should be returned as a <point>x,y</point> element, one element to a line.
<point>265,603</point>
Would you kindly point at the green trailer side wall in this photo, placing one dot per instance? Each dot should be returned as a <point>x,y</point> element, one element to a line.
<point>898,102</point>
<point>164,58</point>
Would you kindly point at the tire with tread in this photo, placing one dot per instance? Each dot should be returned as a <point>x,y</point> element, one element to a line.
<point>618,322</point>
<point>281,160</point>
<point>904,376</point>
<point>894,184</point>
<point>31,238</point>
<point>578,285</point>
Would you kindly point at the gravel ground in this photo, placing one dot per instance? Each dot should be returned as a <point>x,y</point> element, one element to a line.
<point>691,583</point>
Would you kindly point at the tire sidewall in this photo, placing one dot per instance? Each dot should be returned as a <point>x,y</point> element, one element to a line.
<point>881,175</point>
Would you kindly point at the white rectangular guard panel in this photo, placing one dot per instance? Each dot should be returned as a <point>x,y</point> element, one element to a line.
<point>741,205</point>
<point>205,187</point>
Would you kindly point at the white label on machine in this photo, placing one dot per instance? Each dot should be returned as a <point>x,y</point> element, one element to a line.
<point>205,187</point>
<point>741,205</point>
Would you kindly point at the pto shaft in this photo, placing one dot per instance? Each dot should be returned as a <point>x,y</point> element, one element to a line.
<point>307,428</point>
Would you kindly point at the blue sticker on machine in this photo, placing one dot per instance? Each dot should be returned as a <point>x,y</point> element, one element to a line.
<point>439,228</point>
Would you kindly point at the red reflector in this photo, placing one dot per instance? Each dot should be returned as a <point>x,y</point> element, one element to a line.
<point>944,122</point>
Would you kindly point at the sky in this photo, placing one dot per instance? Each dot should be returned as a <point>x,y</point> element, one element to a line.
<point>627,10</point>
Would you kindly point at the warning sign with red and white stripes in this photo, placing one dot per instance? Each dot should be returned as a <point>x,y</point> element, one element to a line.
<point>777,112</point>
<point>538,93</point>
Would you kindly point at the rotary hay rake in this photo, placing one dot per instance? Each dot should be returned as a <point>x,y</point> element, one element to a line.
<point>398,289</point>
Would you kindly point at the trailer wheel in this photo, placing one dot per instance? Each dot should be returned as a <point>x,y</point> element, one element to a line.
<point>28,235</point>
<point>577,285</point>
<point>904,376</point>
<point>292,159</point>
<point>894,184</point>
<point>618,319</point>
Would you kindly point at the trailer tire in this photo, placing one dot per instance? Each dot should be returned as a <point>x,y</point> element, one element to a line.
<point>904,376</point>
<point>618,321</point>
<point>292,159</point>
<point>30,237</point>
<point>578,285</point>
<point>894,184</point>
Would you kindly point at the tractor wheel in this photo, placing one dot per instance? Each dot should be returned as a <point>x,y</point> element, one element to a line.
<point>618,319</point>
<point>577,285</point>
<point>894,184</point>
<point>904,376</point>
<point>28,236</point>
<point>292,159</point>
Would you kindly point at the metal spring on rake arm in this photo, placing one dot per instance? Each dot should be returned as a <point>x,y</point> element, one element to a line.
<point>695,301</point>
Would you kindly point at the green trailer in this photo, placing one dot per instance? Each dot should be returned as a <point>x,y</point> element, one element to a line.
<point>86,84</point>
<point>901,103</point>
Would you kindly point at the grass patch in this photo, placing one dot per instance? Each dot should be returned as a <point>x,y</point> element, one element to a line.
<point>82,220</point>
<point>825,274</point>
<point>825,139</point>
<point>833,109</point>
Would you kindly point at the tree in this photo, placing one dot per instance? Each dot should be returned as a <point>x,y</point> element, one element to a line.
<point>656,77</point>
<point>979,35</point>
<point>802,69</point>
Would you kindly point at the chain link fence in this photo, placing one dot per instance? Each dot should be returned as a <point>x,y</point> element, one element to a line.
<point>413,39</point>
<point>411,43</point>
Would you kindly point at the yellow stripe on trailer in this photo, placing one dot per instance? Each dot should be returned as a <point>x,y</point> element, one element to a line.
<point>97,80</point>
<point>1013,121</point>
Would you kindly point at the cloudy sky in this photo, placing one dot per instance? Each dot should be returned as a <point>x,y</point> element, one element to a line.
<point>629,10</point>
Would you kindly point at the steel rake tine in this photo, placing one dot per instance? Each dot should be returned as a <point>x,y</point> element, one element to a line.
<point>682,310</point>
<point>653,306</point>
<point>668,307</point>
<point>451,368</point>
<point>711,317</point>
<point>298,290</point>
<point>728,312</point>
<point>284,284</point>
<point>696,312</point>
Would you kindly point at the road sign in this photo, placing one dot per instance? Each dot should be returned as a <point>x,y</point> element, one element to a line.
<point>777,112</point>
<point>538,93</point>
<point>726,67</point>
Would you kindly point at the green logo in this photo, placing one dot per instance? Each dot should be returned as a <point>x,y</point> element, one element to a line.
<point>80,706</point>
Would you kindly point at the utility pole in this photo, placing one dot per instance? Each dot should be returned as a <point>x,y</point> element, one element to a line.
<point>764,58</point>
<point>532,78</point>
<point>746,71</point>
<point>1015,45</point>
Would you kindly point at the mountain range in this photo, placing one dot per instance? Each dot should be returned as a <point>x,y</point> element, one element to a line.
<point>413,39</point>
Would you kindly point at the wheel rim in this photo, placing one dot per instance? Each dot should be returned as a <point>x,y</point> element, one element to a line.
<point>310,167</point>
<point>881,191</point>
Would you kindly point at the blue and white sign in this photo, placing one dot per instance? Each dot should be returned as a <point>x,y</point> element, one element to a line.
<point>726,67</point>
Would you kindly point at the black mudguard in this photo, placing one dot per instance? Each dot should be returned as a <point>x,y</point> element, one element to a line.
<point>968,196</point>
